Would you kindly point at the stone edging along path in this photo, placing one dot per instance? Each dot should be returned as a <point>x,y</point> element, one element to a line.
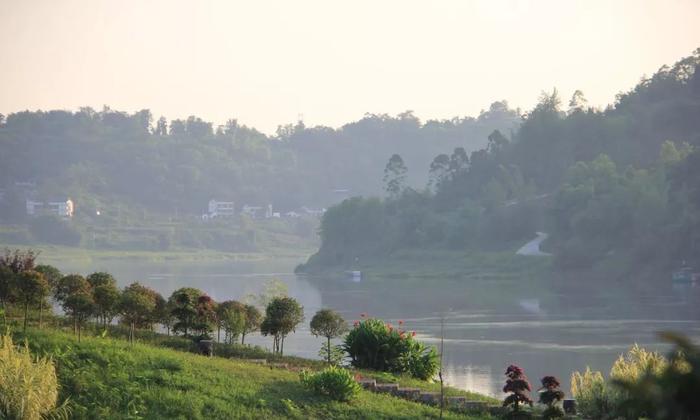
<point>459,403</point>
<point>429,398</point>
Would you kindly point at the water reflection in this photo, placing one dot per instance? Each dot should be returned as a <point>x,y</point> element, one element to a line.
<point>488,327</point>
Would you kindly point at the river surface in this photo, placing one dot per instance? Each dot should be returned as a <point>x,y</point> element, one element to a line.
<point>488,325</point>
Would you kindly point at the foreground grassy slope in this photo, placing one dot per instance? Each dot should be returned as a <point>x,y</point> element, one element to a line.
<point>106,378</point>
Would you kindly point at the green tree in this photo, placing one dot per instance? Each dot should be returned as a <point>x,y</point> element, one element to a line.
<point>231,316</point>
<point>74,293</point>
<point>136,306</point>
<point>32,289</point>
<point>106,295</point>
<point>329,324</point>
<point>184,307</point>
<point>394,175</point>
<point>282,315</point>
<point>253,319</point>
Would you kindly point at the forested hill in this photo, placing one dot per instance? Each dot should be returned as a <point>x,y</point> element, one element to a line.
<point>621,183</point>
<point>108,158</point>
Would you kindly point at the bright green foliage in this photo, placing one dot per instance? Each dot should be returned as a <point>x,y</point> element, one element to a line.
<point>184,303</point>
<point>106,295</point>
<point>74,293</point>
<point>137,306</point>
<point>597,398</point>
<point>590,391</point>
<point>253,319</point>
<point>231,316</point>
<point>329,324</point>
<point>333,355</point>
<point>373,344</point>
<point>28,387</point>
<point>334,382</point>
<point>110,379</point>
<point>668,393</point>
<point>282,316</point>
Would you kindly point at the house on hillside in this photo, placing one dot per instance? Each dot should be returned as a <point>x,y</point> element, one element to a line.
<point>60,208</point>
<point>221,209</point>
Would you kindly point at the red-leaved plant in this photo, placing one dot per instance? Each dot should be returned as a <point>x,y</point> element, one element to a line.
<point>551,395</point>
<point>518,387</point>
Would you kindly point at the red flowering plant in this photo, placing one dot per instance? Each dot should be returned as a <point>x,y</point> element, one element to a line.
<point>374,344</point>
<point>518,387</point>
<point>551,395</point>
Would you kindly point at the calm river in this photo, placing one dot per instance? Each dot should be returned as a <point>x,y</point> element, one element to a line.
<point>551,332</point>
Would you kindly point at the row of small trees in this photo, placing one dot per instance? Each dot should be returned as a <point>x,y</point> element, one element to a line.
<point>188,311</point>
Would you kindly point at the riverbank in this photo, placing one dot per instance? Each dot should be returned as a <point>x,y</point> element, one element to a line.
<point>50,254</point>
<point>411,265</point>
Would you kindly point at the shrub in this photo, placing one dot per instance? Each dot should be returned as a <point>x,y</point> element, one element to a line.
<point>28,388</point>
<point>597,399</point>
<point>336,383</point>
<point>590,391</point>
<point>669,394</point>
<point>373,344</point>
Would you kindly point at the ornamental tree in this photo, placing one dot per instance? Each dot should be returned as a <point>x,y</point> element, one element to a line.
<point>518,387</point>
<point>551,395</point>
<point>329,324</point>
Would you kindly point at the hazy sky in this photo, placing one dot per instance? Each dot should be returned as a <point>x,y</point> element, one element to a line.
<point>266,63</point>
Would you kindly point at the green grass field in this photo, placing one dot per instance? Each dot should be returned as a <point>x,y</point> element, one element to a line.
<point>108,378</point>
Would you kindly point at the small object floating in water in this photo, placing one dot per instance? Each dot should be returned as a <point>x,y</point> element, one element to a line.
<point>685,275</point>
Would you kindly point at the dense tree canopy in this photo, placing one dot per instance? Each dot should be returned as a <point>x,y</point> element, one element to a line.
<point>611,183</point>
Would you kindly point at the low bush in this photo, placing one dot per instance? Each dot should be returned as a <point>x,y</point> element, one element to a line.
<point>336,383</point>
<point>373,344</point>
<point>28,387</point>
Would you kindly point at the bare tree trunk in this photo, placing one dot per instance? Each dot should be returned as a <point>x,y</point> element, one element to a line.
<point>243,338</point>
<point>329,349</point>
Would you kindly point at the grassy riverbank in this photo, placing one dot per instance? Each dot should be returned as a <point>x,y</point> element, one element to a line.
<point>413,265</point>
<point>108,378</point>
<point>49,254</point>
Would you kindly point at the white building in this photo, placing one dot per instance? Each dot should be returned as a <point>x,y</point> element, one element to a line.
<point>221,208</point>
<point>63,209</point>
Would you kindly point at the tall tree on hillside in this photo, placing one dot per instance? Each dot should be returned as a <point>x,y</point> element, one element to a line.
<point>136,306</point>
<point>74,293</point>
<point>32,289</point>
<point>106,295</point>
<point>395,175</point>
